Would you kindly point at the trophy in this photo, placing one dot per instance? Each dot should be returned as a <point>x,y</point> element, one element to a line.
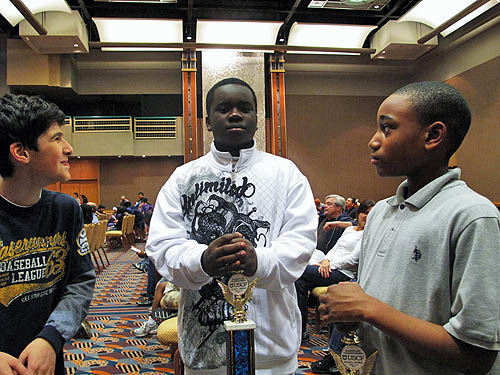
<point>240,351</point>
<point>352,360</point>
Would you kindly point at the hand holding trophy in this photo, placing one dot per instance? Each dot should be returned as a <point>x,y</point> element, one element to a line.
<point>341,303</point>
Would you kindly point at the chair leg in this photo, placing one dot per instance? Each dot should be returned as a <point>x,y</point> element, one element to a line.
<point>317,317</point>
<point>105,255</point>
<point>102,262</point>
<point>178,364</point>
<point>96,262</point>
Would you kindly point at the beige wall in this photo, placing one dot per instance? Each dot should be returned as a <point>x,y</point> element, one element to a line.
<point>479,155</point>
<point>128,176</point>
<point>328,136</point>
<point>328,140</point>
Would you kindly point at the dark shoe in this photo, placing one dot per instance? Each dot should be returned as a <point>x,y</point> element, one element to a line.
<point>305,337</point>
<point>144,294</point>
<point>145,302</point>
<point>139,266</point>
<point>325,366</point>
<point>84,332</point>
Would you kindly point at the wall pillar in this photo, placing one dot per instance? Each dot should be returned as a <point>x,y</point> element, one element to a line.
<point>189,105</point>
<point>278,136</point>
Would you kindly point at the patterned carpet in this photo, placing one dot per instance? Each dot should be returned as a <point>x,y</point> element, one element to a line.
<point>113,349</point>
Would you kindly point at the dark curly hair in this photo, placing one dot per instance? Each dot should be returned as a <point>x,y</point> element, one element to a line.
<point>23,119</point>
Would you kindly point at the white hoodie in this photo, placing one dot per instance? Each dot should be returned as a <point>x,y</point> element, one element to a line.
<point>268,200</point>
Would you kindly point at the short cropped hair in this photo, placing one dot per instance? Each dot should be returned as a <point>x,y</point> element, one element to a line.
<point>224,82</point>
<point>437,101</point>
<point>23,119</point>
<point>339,201</point>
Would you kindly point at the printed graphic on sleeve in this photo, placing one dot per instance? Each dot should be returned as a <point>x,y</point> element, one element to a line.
<point>82,243</point>
<point>29,267</point>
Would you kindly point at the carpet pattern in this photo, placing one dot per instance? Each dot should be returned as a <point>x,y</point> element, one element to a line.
<point>113,314</point>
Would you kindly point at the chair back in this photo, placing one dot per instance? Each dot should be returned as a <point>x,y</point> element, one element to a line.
<point>101,241</point>
<point>89,230</point>
<point>130,224</point>
<point>95,236</point>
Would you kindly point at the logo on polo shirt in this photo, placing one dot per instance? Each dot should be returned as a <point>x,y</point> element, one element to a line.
<point>417,254</point>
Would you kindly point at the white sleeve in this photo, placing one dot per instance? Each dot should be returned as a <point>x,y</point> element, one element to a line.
<point>316,257</point>
<point>349,262</point>
<point>176,257</point>
<point>285,260</point>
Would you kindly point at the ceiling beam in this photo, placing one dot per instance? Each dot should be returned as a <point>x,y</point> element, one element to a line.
<point>29,17</point>
<point>253,47</point>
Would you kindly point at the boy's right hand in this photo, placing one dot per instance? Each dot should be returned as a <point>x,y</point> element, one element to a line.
<point>10,365</point>
<point>345,302</point>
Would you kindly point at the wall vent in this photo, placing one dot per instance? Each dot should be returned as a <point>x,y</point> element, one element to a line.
<point>102,124</point>
<point>155,128</point>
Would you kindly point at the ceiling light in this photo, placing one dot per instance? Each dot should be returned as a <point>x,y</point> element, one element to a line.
<point>137,30</point>
<point>328,35</point>
<point>11,14</point>
<point>376,6</point>
<point>237,32</point>
<point>434,13</point>
<point>75,45</point>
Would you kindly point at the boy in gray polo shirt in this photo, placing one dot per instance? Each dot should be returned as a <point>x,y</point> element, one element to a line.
<point>428,296</point>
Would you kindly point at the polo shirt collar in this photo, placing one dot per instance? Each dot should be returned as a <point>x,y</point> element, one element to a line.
<point>425,194</point>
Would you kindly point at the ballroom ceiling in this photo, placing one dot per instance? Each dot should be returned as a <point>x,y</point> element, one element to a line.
<point>362,12</point>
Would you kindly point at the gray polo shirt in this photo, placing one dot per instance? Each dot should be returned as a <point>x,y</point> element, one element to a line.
<point>434,256</point>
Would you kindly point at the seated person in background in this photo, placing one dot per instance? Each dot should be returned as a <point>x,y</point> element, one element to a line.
<point>140,198</point>
<point>139,222</point>
<point>112,219</point>
<point>87,210</point>
<point>350,207</point>
<point>145,206</point>
<point>120,214</point>
<point>339,264</point>
<point>165,305</point>
<point>320,207</point>
<point>428,293</point>
<point>92,205</point>
<point>330,226</point>
<point>147,209</point>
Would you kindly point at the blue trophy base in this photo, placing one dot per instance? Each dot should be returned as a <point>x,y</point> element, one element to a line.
<point>240,349</point>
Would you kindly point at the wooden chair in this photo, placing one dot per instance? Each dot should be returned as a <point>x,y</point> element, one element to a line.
<point>101,240</point>
<point>95,239</point>
<point>120,234</point>
<point>90,230</point>
<point>130,234</point>
<point>316,292</point>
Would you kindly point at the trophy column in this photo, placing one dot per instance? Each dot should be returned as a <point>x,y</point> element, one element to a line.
<point>240,351</point>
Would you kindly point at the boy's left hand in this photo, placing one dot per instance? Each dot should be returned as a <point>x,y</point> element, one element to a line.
<point>39,357</point>
<point>247,256</point>
<point>344,302</point>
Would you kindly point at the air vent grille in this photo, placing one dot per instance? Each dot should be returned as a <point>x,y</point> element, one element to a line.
<point>102,124</point>
<point>155,128</point>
